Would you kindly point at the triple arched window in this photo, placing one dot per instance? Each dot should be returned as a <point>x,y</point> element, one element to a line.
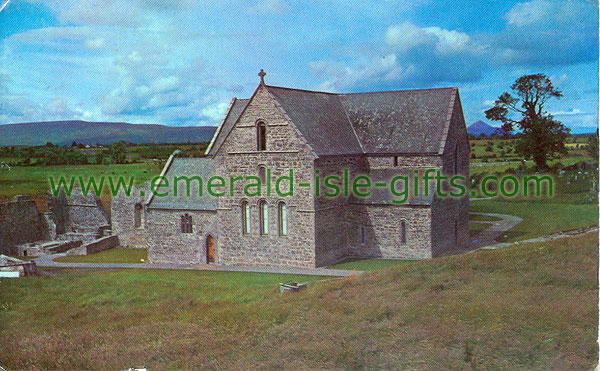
<point>245,218</point>
<point>282,218</point>
<point>263,217</point>
<point>263,210</point>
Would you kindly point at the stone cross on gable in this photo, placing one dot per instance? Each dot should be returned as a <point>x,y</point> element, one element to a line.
<point>262,75</point>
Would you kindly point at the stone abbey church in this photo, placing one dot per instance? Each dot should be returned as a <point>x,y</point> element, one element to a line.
<point>378,134</point>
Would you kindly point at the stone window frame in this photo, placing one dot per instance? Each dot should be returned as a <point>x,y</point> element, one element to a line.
<point>403,231</point>
<point>263,217</point>
<point>187,223</point>
<point>261,135</point>
<point>282,218</point>
<point>138,216</point>
<point>362,235</point>
<point>245,214</point>
<point>262,175</point>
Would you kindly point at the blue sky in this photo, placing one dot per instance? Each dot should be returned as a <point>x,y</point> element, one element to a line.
<point>180,63</point>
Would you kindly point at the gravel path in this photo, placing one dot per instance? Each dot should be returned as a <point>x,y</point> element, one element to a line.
<point>47,261</point>
<point>497,228</point>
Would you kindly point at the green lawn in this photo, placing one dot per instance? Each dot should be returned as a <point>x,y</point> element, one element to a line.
<point>526,307</point>
<point>476,228</point>
<point>117,255</point>
<point>33,180</point>
<point>483,218</point>
<point>539,218</point>
<point>368,264</point>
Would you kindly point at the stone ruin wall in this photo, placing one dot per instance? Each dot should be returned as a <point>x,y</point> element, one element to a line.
<point>21,222</point>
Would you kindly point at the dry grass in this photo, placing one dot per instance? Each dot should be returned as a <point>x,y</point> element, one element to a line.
<point>527,307</point>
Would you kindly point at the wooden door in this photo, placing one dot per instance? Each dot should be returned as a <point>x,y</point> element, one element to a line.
<point>210,249</point>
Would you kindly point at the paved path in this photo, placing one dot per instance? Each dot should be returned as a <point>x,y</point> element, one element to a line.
<point>47,261</point>
<point>550,237</point>
<point>497,228</point>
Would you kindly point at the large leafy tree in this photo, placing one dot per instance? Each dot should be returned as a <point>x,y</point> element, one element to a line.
<point>542,138</point>
<point>118,152</point>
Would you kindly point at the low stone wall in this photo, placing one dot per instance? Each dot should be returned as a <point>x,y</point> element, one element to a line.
<point>64,247</point>
<point>21,222</point>
<point>98,245</point>
<point>102,244</point>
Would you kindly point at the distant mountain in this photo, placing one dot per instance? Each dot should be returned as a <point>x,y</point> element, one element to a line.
<point>479,127</point>
<point>66,132</point>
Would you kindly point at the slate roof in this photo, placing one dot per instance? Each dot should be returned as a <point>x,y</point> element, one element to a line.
<point>202,167</point>
<point>390,122</point>
<point>410,121</point>
<point>232,115</point>
<point>321,119</point>
<point>383,196</point>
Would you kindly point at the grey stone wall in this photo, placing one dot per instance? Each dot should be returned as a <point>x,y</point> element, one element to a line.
<point>382,224</point>
<point>448,211</point>
<point>21,222</point>
<point>168,244</point>
<point>286,149</point>
<point>123,217</point>
<point>333,221</point>
<point>77,213</point>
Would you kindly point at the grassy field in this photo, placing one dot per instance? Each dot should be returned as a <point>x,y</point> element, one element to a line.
<point>33,180</point>
<point>528,307</point>
<point>475,228</point>
<point>368,264</point>
<point>502,150</point>
<point>119,255</point>
<point>539,218</point>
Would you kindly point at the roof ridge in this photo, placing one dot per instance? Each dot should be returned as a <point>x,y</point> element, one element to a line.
<point>365,92</point>
<point>350,123</point>
<point>401,91</point>
<point>302,90</point>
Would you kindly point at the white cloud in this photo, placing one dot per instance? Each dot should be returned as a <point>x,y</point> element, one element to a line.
<point>572,111</point>
<point>215,112</point>
<point>96,43</point>
<point>406,36</point>
<point>548,32</point>
<point>523,14</point>
<point>411,55</point>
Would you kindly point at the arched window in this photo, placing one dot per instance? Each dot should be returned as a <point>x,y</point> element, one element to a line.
<point>363,235</point>
<point>137,215</point>
<point>403,232</point>
<point>282,218</point>
<point>245,217</point>
<point>262,174</point>
<point>263,208</point>
<point>186,223</point>
<point>261,136</point>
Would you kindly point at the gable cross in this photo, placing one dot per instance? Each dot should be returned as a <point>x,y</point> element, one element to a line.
<point>262,75</point>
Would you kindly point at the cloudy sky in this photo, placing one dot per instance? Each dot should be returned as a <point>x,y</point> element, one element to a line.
<point>180,62</point>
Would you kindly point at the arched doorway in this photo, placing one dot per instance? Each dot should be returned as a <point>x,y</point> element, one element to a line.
<point>210,249</point>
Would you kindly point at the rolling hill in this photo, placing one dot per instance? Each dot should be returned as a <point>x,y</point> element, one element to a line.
<point>65,132</point>
<point>479,127</point>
